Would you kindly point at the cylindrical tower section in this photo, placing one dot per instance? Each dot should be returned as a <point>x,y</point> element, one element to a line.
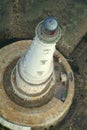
<point>36,66</point>
<point>34,71</point>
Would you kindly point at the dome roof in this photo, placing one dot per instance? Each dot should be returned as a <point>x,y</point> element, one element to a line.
<point>50,23</point>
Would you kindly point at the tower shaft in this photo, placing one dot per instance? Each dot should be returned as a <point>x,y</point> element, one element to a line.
<point>36,66</point>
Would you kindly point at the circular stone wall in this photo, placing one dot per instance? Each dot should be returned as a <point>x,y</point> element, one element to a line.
<point>15,116</point>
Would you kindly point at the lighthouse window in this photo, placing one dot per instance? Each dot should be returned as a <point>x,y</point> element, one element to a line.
<point>52,32</point>
<point>49,32</point>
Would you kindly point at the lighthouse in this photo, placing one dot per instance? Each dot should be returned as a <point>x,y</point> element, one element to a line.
<point>36,81</point>
<point>35,77</point>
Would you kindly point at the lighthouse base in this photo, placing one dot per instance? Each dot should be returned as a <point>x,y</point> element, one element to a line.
<point>19,94</point>
<point>14,111</point>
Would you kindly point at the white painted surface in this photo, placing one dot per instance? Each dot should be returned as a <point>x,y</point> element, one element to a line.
<point>13,126</point>
<point>30,89</point>
<point>37,64</point>
<point>63,77</point>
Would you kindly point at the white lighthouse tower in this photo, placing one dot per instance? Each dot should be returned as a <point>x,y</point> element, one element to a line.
<point>36,81</point>
<point>35,70</point>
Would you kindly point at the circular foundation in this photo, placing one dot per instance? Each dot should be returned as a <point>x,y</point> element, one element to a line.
<point>27,100</point>
<point>15,112</point>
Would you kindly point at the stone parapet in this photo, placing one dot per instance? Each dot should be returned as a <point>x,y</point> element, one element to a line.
<point>37,117</point>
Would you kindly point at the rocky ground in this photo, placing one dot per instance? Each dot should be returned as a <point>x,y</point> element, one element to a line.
<point>77,116</point>
<point>18,19</point>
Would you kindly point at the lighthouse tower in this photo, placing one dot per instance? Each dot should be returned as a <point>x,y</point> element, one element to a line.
<point>36,81</point>
<point>35,77</point>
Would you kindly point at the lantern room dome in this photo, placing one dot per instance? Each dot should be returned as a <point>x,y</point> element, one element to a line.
<point>50,23</point>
